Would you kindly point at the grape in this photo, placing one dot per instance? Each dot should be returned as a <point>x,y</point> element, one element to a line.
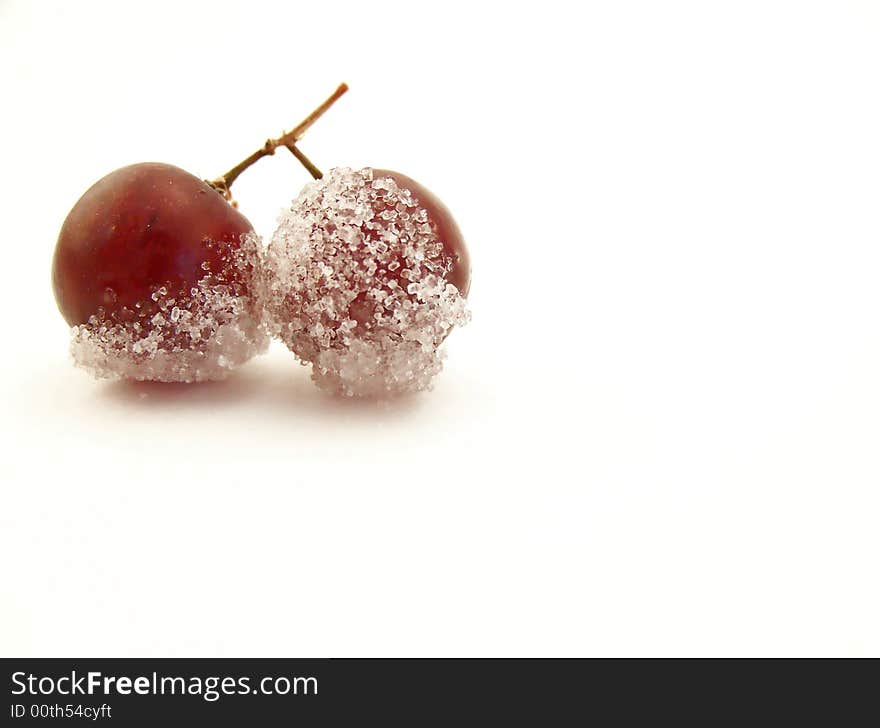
<point>365,277</point>
<point>155,272</point>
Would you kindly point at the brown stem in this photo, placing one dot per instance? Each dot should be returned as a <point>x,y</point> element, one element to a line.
<point>305,161</point>
<point>288,139</point>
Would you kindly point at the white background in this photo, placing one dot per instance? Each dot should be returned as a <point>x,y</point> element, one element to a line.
<point>659,436</point>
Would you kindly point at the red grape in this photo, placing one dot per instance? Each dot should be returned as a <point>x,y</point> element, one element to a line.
<point>366,276</point>
<point>150,266</point>
<point>139,228</point>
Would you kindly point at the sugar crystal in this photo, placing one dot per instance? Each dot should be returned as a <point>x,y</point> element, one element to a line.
<point>210,330</point>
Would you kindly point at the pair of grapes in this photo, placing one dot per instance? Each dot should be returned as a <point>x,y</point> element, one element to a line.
<point>162,279</point>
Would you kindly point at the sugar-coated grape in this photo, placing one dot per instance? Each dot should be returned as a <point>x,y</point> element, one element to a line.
<point>136,229</point>
<point>155,273</point>
<point>366,276</point>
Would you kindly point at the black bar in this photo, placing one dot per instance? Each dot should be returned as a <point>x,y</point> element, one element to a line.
<point>258,692</point>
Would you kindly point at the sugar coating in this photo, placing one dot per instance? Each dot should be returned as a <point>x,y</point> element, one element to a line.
<point>183,336</point>
<point>355,285</point>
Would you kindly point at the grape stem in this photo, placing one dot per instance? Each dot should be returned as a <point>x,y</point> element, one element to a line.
<point>288,139</point>
<point>305,161</point>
